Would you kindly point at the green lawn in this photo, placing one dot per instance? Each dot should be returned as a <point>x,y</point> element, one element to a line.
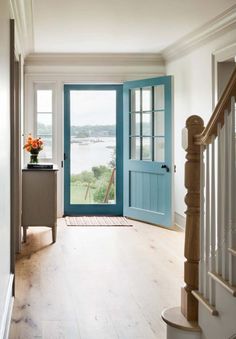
<point>90,187</point>
<point>78,192</point>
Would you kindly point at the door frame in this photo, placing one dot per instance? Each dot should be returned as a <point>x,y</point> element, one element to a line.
<point>94,209</point>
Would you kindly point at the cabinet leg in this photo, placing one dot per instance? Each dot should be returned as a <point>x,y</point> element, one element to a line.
<point>24,233</point>
<point>54,233</point>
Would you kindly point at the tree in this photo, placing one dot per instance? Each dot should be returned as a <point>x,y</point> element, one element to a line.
<point>100,171</point>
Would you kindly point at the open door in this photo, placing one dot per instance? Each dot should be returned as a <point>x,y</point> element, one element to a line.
<point>148,150</point>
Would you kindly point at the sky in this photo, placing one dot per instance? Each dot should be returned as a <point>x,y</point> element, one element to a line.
<point>90,107</point>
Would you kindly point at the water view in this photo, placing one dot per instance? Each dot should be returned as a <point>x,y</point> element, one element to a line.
<point>93,146</point>
<point>93,170</point>
<point>89,152</point>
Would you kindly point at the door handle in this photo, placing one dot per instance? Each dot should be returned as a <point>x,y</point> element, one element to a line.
<point>166,167</point>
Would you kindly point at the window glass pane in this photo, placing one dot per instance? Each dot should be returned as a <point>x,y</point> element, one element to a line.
<point>44,124</point>
<point>46,153</point>
<point>159,97</point>
<point>147,149</point>
<point>147,124</point>
<point>44,100</point>
<point>159,149</point>
<point>159,123</point>
<point>135,123</point>
<point>135,100</point>
<point>147,98</point>
<point>135,148</point>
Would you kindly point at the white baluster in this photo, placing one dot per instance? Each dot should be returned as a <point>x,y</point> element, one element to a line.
<point>207,224</point>
<point>225,202</point>
<point>232,195</point>
<point>212,224</point>
<point>219,201</point>
<point>229,193</point>
<point>202,224</point>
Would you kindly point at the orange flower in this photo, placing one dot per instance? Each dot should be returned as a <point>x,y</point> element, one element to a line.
<point>33,144</point>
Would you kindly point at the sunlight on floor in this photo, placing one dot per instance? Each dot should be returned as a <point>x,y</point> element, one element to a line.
<point>97,282</point>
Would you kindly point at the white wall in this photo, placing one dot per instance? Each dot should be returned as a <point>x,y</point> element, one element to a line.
<point>4,157</point>
<point>193,88</point>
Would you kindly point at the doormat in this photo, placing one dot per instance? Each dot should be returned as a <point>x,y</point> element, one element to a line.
<point>97,221</point>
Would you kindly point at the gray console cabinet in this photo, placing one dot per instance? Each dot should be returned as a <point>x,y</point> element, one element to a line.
<point>39,199</point>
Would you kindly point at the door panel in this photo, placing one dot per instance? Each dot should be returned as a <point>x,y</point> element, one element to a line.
<point>148,150</point>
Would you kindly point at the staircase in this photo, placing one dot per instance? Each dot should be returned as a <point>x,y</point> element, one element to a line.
<point>208,300</point>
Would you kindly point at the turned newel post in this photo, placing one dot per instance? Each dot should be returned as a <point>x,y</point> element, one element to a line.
<point>189,305</point>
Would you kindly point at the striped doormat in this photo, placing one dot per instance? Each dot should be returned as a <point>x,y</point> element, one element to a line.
<point>97,221</point>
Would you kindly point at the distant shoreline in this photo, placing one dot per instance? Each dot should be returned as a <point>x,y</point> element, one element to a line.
<point>89,152</point>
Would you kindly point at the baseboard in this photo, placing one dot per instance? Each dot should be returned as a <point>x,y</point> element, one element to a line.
<point>180,220</point>
<point>6,318</point>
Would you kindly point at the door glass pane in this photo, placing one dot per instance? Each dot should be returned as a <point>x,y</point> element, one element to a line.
<point>159,149</point>
<point>93,146</point>
<point>147,98</point>
<point>135,148</point>
<point>147,149</point>
<point>135,100</point>
<point>159,123</point>
<point>147,124</point>
<point>159,97</point>
<point>135,123</point>
<point>44,101</point>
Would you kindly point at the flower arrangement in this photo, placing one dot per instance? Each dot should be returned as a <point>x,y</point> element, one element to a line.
<point>33,146</point>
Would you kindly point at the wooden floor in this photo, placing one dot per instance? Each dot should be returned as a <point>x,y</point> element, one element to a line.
<point>97,283</point>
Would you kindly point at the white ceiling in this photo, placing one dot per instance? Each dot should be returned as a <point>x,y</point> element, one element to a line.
<point>118,26</point>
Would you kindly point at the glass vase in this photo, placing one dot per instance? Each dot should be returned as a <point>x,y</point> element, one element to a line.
<point>34,158</point>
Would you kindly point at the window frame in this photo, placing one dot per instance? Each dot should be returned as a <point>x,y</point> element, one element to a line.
<point>52,87</point>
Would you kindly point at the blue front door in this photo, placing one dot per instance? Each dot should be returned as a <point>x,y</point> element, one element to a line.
<point>93,146</point>
<point>148,150</point>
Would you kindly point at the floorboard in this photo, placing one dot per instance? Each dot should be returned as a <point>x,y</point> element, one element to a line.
<point>97,283</point>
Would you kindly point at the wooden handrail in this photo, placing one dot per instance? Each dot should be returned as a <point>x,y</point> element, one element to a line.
<point>218,115</point>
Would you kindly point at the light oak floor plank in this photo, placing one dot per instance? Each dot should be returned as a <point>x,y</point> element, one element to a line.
<point>97,282</point>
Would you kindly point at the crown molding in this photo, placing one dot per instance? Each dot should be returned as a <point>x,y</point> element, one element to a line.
<point>225,53</point>
<point>94,59</point>
<point>22,12</point>
<point>211,30</point>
